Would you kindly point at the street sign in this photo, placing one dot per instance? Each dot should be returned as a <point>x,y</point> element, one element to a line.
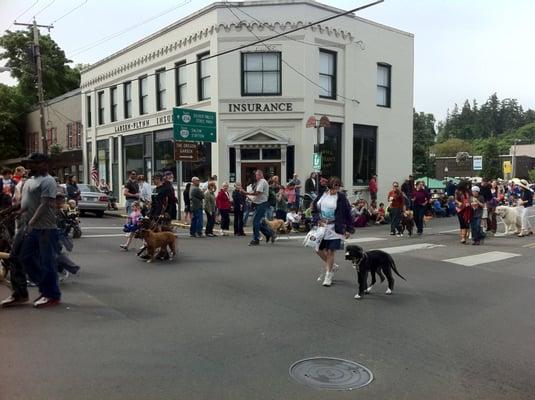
<point>186,151</point>
<point>507,167</point>
<point>194,125</point>
<point>477,163</point>
<point>316,162</point>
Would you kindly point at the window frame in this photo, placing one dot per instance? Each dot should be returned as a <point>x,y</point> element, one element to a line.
<point>78,134</point>
<point>361,131</point>
<point>141,96</point>
<point>88,106</point>
<point>160,93</point>
<point>200,79</point>
<point>113,105</point>
<point>243,73</point>
<point>70,136</point>
<point>334,77</point>
<point>179,101</point>
<point>388,88</point>
<point>101,108</point>
<point>127,102</point>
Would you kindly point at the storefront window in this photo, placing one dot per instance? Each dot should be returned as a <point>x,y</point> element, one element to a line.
<point>331,151</point>
<point>103,158</point>
<point>364,153</point>
<point>271,154</point>
<point>133,155</point>
<point>201,169</point>
<point>250,154</point>
<point>164,157</point>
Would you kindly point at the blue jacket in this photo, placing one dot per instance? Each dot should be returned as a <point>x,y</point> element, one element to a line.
<point>342,216</point>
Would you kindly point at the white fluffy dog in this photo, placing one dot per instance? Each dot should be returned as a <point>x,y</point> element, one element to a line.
<point>511,219</point>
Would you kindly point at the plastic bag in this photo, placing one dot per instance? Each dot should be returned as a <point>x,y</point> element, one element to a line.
<point>314,237</point>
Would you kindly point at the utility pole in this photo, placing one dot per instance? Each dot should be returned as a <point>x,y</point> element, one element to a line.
<point>39,69</point>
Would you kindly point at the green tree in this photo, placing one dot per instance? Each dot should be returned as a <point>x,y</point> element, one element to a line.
<point>451,147</point>
<point>58,76</point>
<point>13,108</point>
<point>424,136</point>
<point>491,160</point>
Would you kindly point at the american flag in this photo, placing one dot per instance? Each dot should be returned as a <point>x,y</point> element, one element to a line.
<point>94,171</point>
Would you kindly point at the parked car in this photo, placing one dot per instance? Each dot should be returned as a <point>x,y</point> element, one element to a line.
<point>92,200</point>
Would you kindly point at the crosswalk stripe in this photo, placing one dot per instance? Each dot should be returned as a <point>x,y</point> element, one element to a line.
<point>363,240</point>
<point>483,258</point>
<point>410,247</point>
<point>530,245</point>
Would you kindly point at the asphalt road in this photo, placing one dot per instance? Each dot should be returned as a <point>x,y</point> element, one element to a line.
<point>226,321</point>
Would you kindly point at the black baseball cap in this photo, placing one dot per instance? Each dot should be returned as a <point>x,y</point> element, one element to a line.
<point>36,158</point>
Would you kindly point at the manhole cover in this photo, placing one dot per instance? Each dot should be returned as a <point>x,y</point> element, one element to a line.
<point>331,373</point>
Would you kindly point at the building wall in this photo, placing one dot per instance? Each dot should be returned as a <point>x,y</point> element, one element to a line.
<point>359,45</point>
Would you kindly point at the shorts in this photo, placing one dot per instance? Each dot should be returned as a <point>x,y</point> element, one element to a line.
<point>187,208</point>
<point>333,245</point>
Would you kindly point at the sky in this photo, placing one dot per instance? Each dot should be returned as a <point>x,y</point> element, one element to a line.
<point>464,49</point>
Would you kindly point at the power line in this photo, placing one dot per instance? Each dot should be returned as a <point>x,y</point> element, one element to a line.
<point>44,8</point>
<point>70,12</point>
<point>244,46</point>
<point>24,12</point>
<point>286,63</point>
<point>98,42</point>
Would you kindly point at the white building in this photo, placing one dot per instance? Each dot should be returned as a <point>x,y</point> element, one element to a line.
<point>356,72</point>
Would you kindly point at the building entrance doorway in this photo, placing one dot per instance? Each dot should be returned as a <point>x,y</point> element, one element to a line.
<point>269,168</point>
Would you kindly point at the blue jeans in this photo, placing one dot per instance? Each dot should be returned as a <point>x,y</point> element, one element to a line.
<point>475,227</point>
<point>269,212</point>
<point>395,219</point>
<point>38,256</point>
<point>419,211</point>
<point>195,227</point>
<point>258,224</point>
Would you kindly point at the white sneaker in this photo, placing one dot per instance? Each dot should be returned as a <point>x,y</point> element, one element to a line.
<point>336,267</point>
<point>328,279</point>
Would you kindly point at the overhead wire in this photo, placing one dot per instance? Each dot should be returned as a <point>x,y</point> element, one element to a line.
<point>104,39</point>
<point>24,12</point>
<point>43,9</point>
<point>285,62</point>
<point>70,12</point>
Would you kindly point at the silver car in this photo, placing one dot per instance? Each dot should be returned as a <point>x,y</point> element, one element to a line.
<point>92,200</point>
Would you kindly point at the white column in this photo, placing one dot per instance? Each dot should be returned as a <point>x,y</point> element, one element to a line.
<point>110,161</point>
<point>119,186</point>
<point>238,166</point>
<point>284,163</point>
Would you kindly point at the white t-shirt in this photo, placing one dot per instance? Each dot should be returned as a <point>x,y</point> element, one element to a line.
<point>327,207</point>
<point>262,187</point>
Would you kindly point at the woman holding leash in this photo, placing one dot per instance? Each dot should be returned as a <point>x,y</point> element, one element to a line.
<point>464,209</point>
<point>525,201</point>
<point>333,212</point>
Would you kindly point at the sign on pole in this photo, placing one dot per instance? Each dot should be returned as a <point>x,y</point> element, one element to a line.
<point>186,151</point>
<point>507,167</point>
<point>477,163</point>
<point>316,162</point>
<point>194,125</point>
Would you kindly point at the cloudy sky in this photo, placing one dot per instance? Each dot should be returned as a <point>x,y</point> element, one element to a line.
<point>463,48</point>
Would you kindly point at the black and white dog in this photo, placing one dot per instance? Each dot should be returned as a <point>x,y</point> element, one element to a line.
<point>374,262</point>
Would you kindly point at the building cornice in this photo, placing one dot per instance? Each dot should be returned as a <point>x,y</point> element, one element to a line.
<point>179,45</point>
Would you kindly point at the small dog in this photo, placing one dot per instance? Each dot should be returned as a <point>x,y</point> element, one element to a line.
<point>373,261</point>
<point>407,222</point>
<point>510,218</point>
<point>159,240</point>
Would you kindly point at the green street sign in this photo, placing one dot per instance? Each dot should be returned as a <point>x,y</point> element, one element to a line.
<point>194,125</point>
<point>316,162</point>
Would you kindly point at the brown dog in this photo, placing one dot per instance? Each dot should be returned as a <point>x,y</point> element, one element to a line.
<point>159,240</point>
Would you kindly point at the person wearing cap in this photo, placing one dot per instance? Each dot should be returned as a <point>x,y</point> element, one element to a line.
<point>477,202</point>
<point>332,211</point>
<point>37,252</point>
<point>131,191</point>
<point>525,201</point>
<point>196,200</point>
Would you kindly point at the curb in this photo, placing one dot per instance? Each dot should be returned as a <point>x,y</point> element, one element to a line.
<point>117,215</point>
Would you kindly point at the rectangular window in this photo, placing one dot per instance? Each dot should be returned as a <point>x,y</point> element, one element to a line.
<point>143,95</point>
<point>203,73</point>
<point>364,153</point>
<point>261,74</point>
<point>88,107</point>
<point>327,74</point>
<point>113,102</point>
<point>384,83</point>
<point>78,134</point>
<point>127,100</point>
<point>180,83</point>
<point>70,135</point>
<point>331,151</point>
<point>160,90</point>
<point>100,101</point>
<point>250,154</point>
